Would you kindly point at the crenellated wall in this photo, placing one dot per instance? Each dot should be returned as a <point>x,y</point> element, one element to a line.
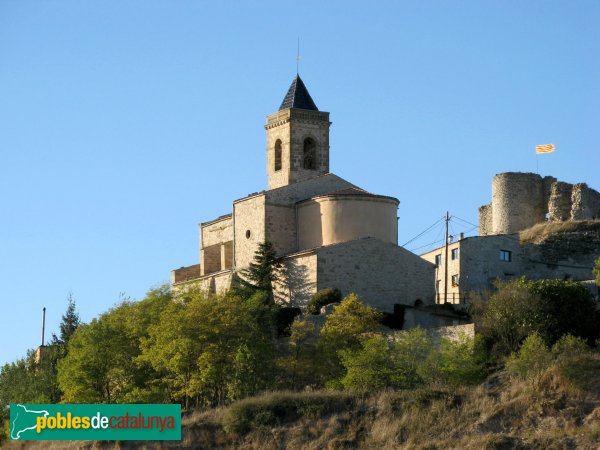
<point>521,200</point>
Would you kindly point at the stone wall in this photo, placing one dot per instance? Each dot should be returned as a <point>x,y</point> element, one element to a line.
<point>481,265</point>
<point>292,127</point>
<point>185,274</point>
<point>485,219</point>
<point>517,202</point>
<point>216,231</point>
<point>249,228</point>
<point>422,318</point>
<point>521,200</point>
<point>281,228</point>
<point>210,259</point>
<point>301,280</point>
<point>218,282</point>
<point>559,207</point>
<point>381,273</point>
<point>562,255</point>
<point>585,203</point>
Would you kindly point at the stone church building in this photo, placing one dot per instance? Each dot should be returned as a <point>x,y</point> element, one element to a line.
<point>328,231</point>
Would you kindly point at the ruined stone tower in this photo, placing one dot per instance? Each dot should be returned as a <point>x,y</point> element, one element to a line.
<point>521,200</point>
<point>297,139</point>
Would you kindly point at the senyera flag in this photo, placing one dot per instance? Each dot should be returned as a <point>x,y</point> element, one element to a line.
<point>544,148</point>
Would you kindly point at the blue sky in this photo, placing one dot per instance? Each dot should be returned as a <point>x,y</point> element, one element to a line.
<point>123,124</point>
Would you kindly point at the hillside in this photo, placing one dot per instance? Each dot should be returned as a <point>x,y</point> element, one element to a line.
<point>557,409</point>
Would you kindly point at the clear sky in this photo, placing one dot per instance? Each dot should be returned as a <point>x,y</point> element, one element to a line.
<point>123,124</point>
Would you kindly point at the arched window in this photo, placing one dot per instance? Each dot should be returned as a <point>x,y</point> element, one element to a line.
<point>278,155</point>
<point>309,161</point>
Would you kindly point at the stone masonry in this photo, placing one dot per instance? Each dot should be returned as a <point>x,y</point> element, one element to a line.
<point>521,200</point>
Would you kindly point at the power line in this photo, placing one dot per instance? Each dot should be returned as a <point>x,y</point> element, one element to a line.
<point>423,232</point>
<point>427,245</point>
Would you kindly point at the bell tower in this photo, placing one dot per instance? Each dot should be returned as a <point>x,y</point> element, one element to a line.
<point>297,139</point>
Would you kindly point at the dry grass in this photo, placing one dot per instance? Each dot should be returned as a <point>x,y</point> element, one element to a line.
<point>558,409</point>
<point>541,231</point>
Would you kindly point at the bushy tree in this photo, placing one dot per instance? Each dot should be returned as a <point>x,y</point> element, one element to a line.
<point>410,359</point>
<point>372,367</point>
<point>212,349</point>
<point>349,323</point>
<point>552,308</point>
<point>596,271</point>
<point>102,364</point>
<point>299,365</point>
<point>531,359</point>
<point>322,298</point>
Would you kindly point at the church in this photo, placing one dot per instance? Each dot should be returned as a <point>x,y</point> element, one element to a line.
<point>329,232</point>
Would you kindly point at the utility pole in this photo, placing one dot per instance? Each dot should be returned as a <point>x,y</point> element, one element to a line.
<point>446,261</point>
<point>43,324</point>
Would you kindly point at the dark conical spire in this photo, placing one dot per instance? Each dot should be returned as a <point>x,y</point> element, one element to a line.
<point>298,97</point>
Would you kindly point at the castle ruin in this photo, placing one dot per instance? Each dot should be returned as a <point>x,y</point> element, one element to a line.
<point>521,200</point>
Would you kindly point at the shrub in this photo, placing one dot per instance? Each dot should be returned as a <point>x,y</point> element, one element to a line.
<point>280,407</point>
<point>322,298</point>
<point>531,359</point>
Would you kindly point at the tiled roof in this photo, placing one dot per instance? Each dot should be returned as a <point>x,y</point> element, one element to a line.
<point>298,97</point>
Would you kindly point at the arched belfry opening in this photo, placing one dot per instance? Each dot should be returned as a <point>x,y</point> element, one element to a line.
<point>297,139</point>
<point>277,165</point>
<point>309,154</point>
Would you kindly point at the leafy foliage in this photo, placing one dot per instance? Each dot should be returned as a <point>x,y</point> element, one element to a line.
<point>531,359</point>
<point>102,364</point>
<point>552,308</point>
<point>264,271</point>
<point>411,359</point>
<point>277,408</point>
<point>322,298</point>
<point>211,349</point>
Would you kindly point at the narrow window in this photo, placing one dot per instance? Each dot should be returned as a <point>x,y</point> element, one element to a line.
<point>309,154</point>
<point>454,253</point>
<point>438,259</point>
<point>278,155</point>
<point>454,280</point>
<point>505,255</point>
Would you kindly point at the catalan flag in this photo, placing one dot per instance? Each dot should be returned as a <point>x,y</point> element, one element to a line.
<point>544,148</point>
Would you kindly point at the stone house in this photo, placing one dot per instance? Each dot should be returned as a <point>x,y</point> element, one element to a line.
<point>329,232</point>
<point>563,245</point>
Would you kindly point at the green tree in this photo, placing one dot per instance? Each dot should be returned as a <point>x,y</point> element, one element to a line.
<point>102,362</point>
<point>299,365</point>
<point>409,359</point>
<point>371,368</point>
<point>264,271</point>
<point>349,323</point>
<point>455,362</point>
<point>596,271</point>
<point>551,308</point>
<point>212,349</point>
<point>69,323</point>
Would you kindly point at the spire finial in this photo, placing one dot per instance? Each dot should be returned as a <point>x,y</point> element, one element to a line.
<point>298,57</point>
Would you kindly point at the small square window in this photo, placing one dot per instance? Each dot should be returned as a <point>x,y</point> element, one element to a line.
<point>438,259</point>
<point>454,280</point>
<point>505,255</point>
<point>454,253</point>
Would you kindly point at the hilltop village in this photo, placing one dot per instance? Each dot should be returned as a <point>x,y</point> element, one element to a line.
<point>332,233</point>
